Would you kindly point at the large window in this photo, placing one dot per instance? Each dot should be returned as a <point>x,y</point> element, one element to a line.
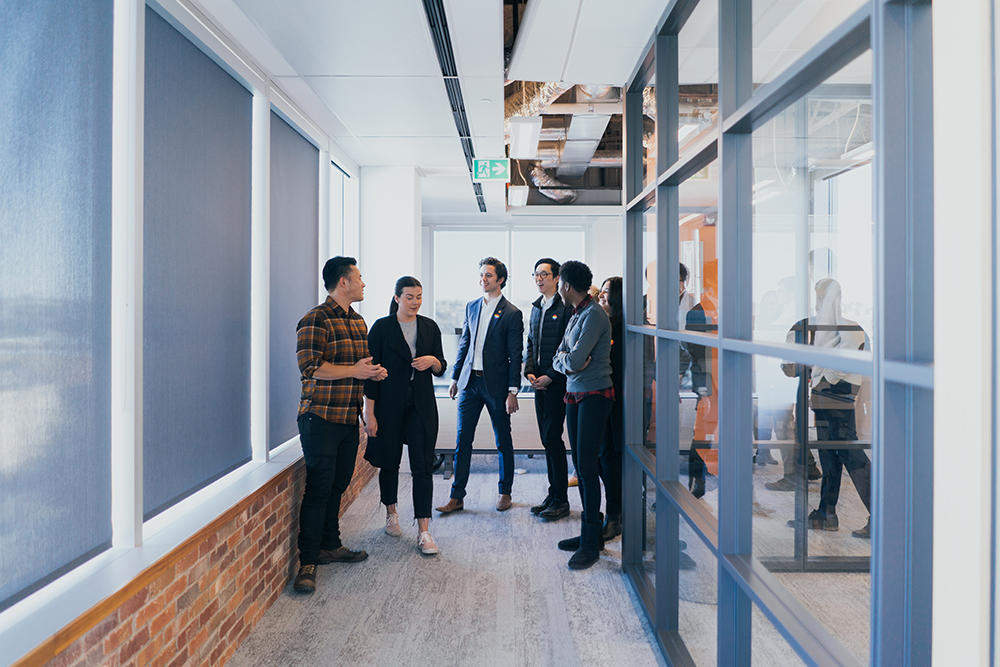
<point>293,267</point>
<point>779,418</point>
<point>196,283</point>
<point>55,289</point>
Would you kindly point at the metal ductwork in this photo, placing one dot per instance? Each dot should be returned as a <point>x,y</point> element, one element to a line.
<point>533,98</point>
<point>550,187</point>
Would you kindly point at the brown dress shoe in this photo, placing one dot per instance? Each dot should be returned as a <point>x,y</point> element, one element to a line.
<point>453,505</point>
<point>503,502</point>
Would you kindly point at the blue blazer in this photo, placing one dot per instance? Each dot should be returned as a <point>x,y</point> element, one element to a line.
<point>501,349</point>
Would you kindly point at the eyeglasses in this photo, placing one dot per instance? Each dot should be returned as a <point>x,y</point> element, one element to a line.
<point>540,274</point>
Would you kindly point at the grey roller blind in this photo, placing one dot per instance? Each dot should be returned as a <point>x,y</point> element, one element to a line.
<point>55,286</point>
<point>294,272</point>
<point>196,273</point>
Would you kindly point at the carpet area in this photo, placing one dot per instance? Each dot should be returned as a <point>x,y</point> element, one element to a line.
<point>499,593</point>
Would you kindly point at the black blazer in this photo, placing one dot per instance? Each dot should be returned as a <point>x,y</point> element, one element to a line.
<point>501,349</point>
<point>388,347</point>
<point>544,338</point>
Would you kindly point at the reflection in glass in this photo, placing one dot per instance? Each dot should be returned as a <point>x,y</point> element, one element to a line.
<point>699,421</point>
<point>649,266</point>
<point>648,133</point>
<point>649,393</point>
<point>812,197</point>
<point>697,596</point>
<point>698,72</point>
<point>806,517</point>
<point>698,304</point>
<point>783,30</point>
<point>649,528</point>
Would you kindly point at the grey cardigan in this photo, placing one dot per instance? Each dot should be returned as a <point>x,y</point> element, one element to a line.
<point>588,334</point>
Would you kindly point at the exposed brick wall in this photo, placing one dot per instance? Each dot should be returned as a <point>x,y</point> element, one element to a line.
<point>197,604</point>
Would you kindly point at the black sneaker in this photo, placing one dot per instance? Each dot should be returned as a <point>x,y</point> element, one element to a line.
<point>584,558</point>
<point>612,528</point>
<point>570,544</point>
<point>783,484</point>
<point>557,509</point>
<point>864,533</point>
<point>305,580</point>
<point>537,509</point>
<point>824,521</point>
<point>340,555</point>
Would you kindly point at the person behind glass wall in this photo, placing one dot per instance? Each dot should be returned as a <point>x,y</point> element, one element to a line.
<point>694,373</point>
<point>332,353</point>
<point>402,407</point>
<point>610,299</point>
<point>832,399</point>
<point>584,356</point>
<point>547,324</point>
<point>649,357</point>
<point>487,373</point>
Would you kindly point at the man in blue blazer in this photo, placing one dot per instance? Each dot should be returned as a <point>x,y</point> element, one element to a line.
<point>487,372</point>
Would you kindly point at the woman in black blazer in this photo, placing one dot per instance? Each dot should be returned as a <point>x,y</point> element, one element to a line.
<point>401,408</point>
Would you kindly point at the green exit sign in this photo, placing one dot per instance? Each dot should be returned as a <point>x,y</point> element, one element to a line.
<point>491,169</point>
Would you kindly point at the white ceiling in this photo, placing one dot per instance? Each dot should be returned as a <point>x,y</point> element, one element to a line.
<point>367,73</point>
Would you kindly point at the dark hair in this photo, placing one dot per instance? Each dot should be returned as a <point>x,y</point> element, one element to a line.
<point>684,273</point>
<point>551,262</point>
<point>498,266</point>
<point>577,275</point>
<point>615,296</point>
<point>401,284</point>
<point>335,269</point>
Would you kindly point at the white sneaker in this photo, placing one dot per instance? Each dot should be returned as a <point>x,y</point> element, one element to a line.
<point>392,525</point>
<point>426,544</point>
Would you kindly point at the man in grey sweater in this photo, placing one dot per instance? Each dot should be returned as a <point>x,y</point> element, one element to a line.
<point>584,356</point>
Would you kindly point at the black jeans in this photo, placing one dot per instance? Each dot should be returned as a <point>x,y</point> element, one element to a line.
<point>611,461</point>
<point>839,425</point>
<point>330,451</point>
<point>470,406</point>
<point>587,423</point>
<point>421,453</point>
<point>550,411</point>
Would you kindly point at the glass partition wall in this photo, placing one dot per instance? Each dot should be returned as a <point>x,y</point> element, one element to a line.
<point>781,505</point>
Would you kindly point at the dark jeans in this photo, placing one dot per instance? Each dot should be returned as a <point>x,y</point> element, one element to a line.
<point>421,453</point>
<point>329,450</point>
<point>587,423</point>
<point>470,406</point>
<point>550,411</point>
<point>611,462</point>
<point>839,425</point>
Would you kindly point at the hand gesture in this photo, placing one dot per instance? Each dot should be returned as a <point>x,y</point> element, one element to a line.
<point>511,404</point>
<point>424,362</point>
<point>364,369</point>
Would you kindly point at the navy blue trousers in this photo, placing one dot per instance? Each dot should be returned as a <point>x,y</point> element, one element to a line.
<point>471,401</point>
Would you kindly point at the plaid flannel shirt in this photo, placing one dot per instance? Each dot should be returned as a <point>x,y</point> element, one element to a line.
<point>327,333</point>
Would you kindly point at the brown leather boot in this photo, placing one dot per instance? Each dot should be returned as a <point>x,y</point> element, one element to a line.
<point>453,505</point>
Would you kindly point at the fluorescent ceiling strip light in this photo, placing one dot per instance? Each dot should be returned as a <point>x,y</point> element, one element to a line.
<point>524,134</point>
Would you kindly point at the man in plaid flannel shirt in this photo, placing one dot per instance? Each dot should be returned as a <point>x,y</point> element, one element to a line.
<point>332,351</point>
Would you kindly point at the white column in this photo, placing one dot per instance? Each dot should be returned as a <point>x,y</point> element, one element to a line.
<point>390,233</point>
<point>126,272</point>
<point>260,272</point>
<point>962,332</point>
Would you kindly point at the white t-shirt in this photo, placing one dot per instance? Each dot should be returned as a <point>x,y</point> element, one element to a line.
<point>486,310</point>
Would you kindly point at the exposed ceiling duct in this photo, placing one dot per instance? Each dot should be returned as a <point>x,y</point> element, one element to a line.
<point>532,98</point>
<point>550,187</point>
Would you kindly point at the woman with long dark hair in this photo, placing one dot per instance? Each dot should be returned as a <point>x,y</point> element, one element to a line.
<point>401,408</point>
<point>610,299</point>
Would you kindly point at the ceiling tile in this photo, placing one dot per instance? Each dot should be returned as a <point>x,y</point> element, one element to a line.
<point>485,117</point>
<point>375,37</point>
<point>476,29</point>
<point>389,106</point>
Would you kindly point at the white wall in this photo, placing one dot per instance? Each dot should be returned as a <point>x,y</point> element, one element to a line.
<point>605,254</point>
<point>962,332</point>
<point>391,237</point>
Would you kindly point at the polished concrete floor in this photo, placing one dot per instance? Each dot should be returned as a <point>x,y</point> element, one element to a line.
<point>499,593</point>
